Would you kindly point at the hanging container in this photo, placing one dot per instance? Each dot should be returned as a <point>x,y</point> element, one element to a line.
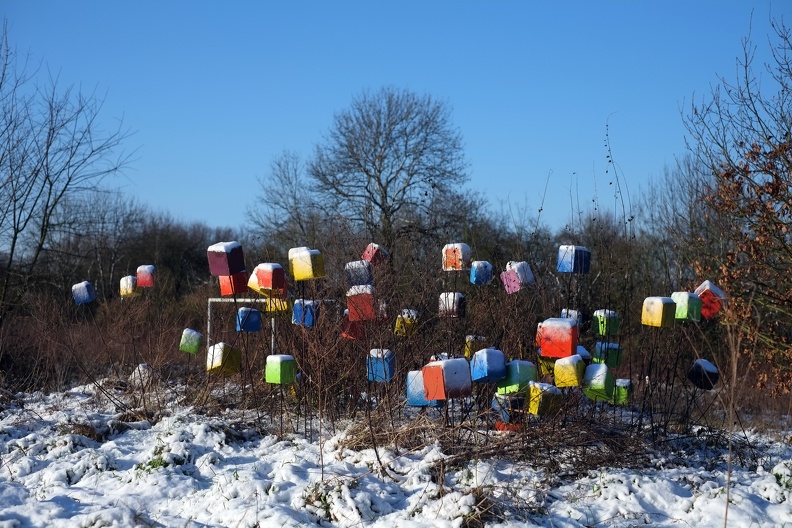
<point>191,341</point>
<point>236,284</point>
<point>280,369</point>
<point>305,312</point>
<point>480,272</point>
<point>381,365</point>
<point>543,398</point>
<point>83,292</point>
<point>128,287</point>
<point>360,303</point>
<point>568,371</point>
<point>703,374</point>
<point>224,359</point>
<point>447,379</point>
<point>658,312</point>
<point>225,258</point>
<point>606,322</point>
<point>557,337</point>
<point>574,259</point>
<point>269,279</point>
<point>608,353</point>
<point>359,273</point>
<point>416,396</point>
<point>519,373</point>
<point>306,264</point>
<point>598,382</point>
<point>488,365</point>
<point>375,254</point>
<point>688,306</point>
<point>406,323</point>
<point>456,257</point>
<point>145,276</point>
<point>248,320</point>
<point>452,304</point>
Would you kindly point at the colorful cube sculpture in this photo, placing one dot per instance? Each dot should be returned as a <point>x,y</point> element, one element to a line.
<point>306,264</point>
<point>546,364</point>
<point>480,272</point>
<point>447,379</point>
<point>712,299</point>
<point>518,373</point>
<point>508,408</point>
<point>557,337</point>
<point>224,359</point>
<point>688,306</point>
<point>456,257</point>
<point>608,353</point>
<point>658,312</point>
<point>269,279</point>
<point>129,287</point>
<point>622,392</point>
<point>416,396</point>
<point>274,306</point>
<point>83,292</point>
<point>235,284</point>
<point>703,374</point>
<point>375,254</point>
<point>598,382</point>
<point>510,281</point>
<point>351,329</point>
<point>145,276</point>
<point>406,323</point>
<point>518,275</point>
<point>574,259</point>
<point>248,320</point>
<point>280,369</point>
<point>359,273</point>
<point>361,305</point>
<point>294,252</point>
<point>305,312</point>
<point>473,343</point>
<point>452,304</point>
<point>488,366</point>
<point>523,269</point>
<point>543,398</point>
<point>225,258</point>
<point>191,341</point>
<point>568,371</point>
<point>381,365</point>
<point>567,313</point>
<point>606,322</point>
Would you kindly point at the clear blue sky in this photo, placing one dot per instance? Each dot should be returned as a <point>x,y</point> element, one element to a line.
<point>215,90</point>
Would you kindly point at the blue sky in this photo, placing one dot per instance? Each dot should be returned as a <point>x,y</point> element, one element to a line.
<point>213,91</point>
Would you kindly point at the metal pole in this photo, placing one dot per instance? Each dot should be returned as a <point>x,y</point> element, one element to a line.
<point>272,344</point>
<point>208,324</point>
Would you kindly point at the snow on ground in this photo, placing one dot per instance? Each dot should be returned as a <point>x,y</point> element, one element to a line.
<point>192,470</point>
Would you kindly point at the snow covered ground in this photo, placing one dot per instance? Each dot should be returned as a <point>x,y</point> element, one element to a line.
<point>70,459</point>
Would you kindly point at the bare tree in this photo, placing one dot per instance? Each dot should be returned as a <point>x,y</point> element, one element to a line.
<point>388,160</point>
<point>51,148</point>
<point>742,133</point>
<point>685,235</point>
<point>286,210</point>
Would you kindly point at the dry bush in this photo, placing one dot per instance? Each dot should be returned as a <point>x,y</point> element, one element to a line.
<point>68,344</point>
